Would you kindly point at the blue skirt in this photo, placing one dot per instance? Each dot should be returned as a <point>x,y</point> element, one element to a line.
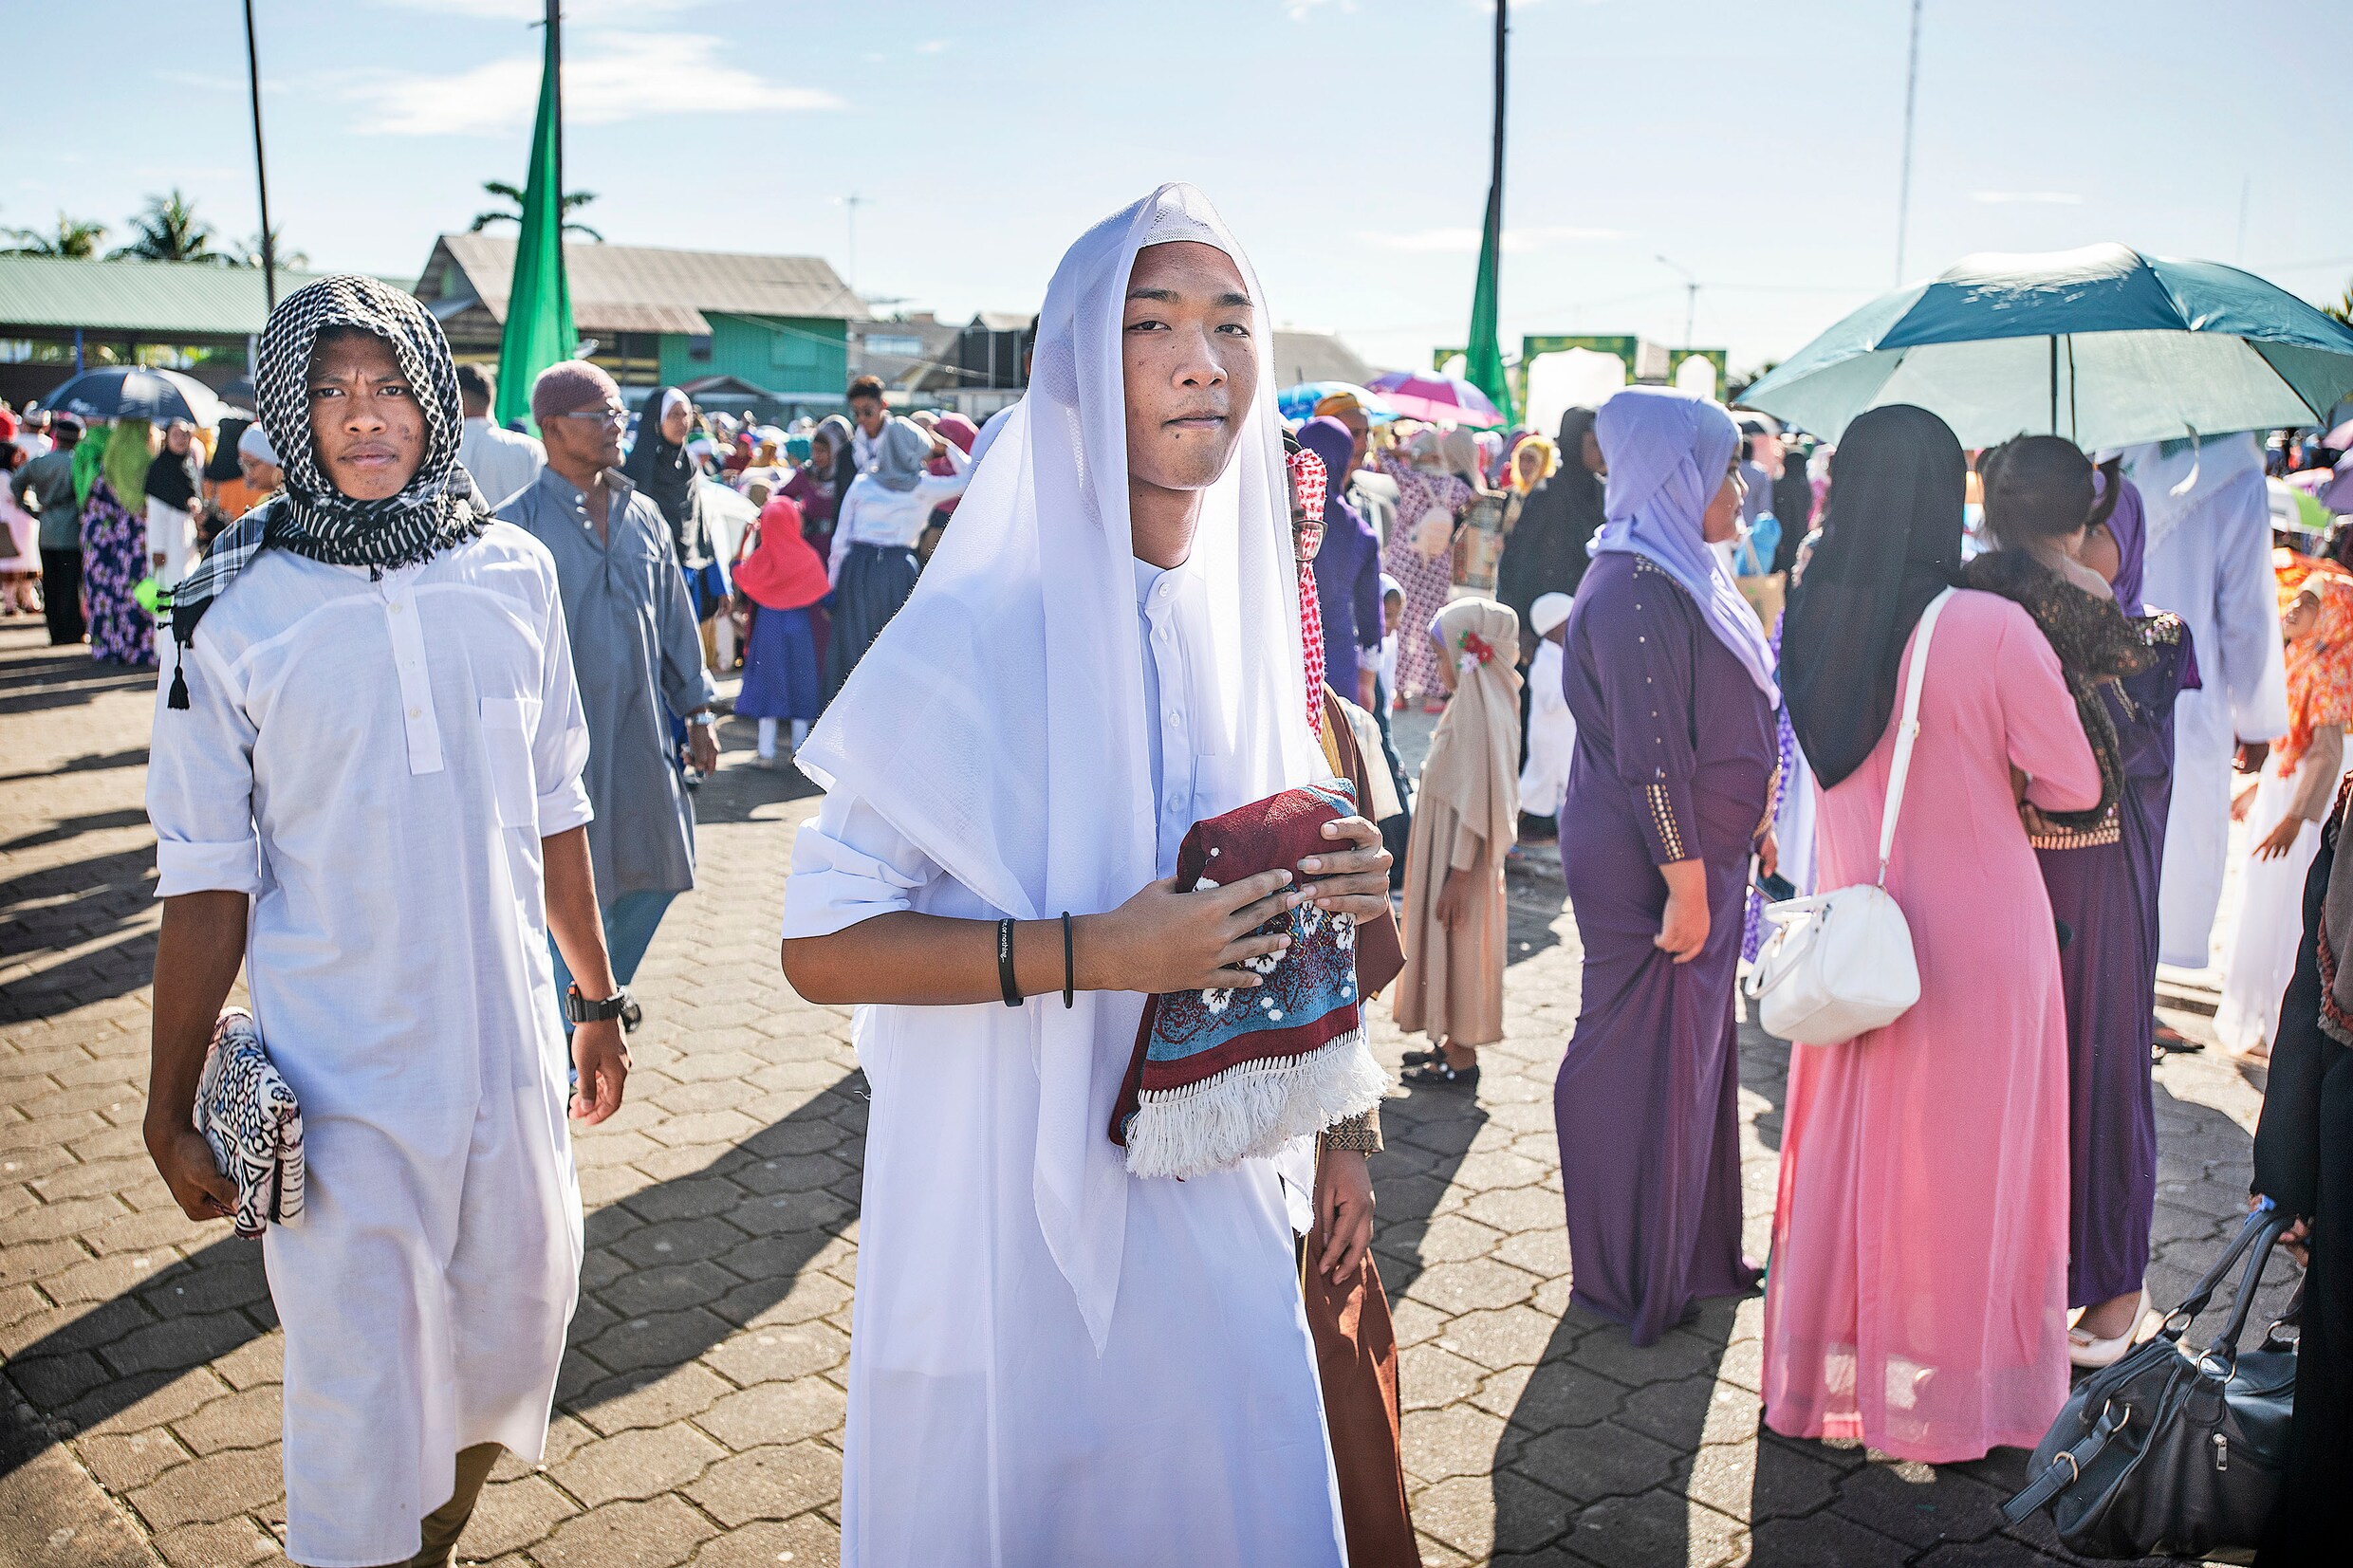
<point>780,668</point>
<point>875,582</point>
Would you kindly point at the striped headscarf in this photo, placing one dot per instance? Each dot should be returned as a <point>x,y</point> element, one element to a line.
<point>438,508</point>
<point>1308,479</point>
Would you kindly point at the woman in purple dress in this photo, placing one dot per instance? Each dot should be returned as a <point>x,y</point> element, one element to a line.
<point>2105,896</point>
<point>114,548</point>
<point>1671,682</point>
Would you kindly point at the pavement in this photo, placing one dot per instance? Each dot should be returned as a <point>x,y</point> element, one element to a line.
<point>699,1413</point>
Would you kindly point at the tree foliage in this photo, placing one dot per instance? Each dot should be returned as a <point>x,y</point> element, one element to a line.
<point>573,201</point>
<point>74,239</point>
<point>168,229</point>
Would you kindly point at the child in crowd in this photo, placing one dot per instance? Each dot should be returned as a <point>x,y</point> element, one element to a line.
<point>1464,819</point>
<point>781,577</point>
<point>1551,731</point>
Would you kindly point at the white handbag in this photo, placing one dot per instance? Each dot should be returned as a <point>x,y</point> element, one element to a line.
<point>1841,963</point>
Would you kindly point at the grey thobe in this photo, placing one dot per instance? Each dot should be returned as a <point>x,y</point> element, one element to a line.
<point>639,657</point>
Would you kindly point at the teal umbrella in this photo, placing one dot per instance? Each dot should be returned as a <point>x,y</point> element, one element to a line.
<point>2103,345</point>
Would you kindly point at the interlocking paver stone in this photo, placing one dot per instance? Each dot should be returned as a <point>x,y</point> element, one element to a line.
<point>699,1413</point>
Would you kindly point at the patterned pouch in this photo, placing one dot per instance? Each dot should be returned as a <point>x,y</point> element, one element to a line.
<point>1224,1075</point>
<point>248,1115</point>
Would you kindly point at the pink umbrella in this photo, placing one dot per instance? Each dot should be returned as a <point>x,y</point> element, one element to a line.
<point>1440,400</point>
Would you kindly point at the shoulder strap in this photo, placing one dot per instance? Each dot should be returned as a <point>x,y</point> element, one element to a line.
<point>1909,729</point>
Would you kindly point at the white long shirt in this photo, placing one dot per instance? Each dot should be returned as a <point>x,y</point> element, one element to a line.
<point>983,1425</point>
<point>2213,570</point>
<point>873,513</point>
<point>502,461</point>
<point>373,763</point>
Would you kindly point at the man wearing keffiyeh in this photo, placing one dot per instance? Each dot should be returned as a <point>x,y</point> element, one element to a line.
<point>365,784</point>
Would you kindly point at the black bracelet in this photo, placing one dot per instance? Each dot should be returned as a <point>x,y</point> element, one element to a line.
<point>1069,964</point>
<point>1005,964</point>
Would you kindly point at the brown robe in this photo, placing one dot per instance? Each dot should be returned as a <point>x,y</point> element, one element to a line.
<point>1355,1342</point>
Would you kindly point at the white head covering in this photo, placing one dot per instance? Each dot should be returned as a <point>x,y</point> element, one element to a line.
<point>997,723</point>
<point>254,443</point>
<point>1548,611</point>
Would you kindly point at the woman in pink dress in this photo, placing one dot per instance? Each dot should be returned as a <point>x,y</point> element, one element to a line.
<point>1918,1294</point>
<point>1433,494</point>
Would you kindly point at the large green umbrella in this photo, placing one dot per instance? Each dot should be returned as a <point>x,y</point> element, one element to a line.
<point>2103,345</point>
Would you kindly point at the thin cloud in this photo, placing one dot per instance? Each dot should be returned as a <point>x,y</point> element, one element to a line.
<point>933,45</point>
<point>2026,199</point>
<point>1299,10</point>
<point>614,77</point>
<point>1449,241</point>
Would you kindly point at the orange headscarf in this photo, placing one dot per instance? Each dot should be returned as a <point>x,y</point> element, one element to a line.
<point>2320,669</point>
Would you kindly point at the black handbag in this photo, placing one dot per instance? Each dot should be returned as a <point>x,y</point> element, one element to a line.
<point>2167,1454</point>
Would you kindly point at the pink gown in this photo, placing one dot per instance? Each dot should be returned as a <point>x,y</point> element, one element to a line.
<point>1917,1293</point>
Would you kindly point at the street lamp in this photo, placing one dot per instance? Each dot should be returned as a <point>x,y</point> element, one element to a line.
<point>1691,297</point>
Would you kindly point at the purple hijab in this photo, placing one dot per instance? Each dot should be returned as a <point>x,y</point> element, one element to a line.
<point>1668,454</point>
<point>2129,525</point>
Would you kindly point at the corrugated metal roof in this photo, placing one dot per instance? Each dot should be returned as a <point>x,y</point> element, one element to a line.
<point>156,301</point>
<point>641,289</point>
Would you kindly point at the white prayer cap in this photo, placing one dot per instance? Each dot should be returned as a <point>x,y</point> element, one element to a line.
<point>1548,611</point>
<point>254,443</point>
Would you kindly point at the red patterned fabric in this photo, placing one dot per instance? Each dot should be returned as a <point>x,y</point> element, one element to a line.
<point>1309,478</point>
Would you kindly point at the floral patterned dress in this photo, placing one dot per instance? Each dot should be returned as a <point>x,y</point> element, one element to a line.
<point>1425,578</point>
<point>113,562</point>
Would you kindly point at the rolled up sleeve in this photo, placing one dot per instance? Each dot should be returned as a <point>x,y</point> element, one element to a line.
<point>559,746</point>
<point>848,865</point>
<point>200,783</point>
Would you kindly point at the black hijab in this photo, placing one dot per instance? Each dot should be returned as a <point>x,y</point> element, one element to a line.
<point>1793,506</point>
<point>1891,541</point>
<point>665,474</point>
<point>173,477</point>
<point>1546,553</point>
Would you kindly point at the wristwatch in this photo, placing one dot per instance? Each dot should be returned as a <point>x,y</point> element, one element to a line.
<point>581,1010</point>
<point>702,716</point>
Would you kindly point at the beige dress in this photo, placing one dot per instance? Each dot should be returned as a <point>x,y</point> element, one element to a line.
<point>1465,816</point>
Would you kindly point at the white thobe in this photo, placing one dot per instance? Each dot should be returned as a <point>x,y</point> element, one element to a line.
<point>983,1427</point>
<point>374,761</point>
<point>1552,735</point>
<point>2213,570</point>
<point>172,535</point>
<point>504,462</point>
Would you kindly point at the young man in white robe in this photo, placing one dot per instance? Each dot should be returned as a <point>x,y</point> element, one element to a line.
<point>1051,1361</point>
<point>365,784</point>
<point>2209,561</point>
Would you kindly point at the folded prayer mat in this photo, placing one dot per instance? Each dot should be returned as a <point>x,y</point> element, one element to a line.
<point>1219,1077</point>
<point>248,1115</point>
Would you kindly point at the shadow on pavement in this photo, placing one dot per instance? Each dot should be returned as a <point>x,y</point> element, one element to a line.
<point>672,1271</point>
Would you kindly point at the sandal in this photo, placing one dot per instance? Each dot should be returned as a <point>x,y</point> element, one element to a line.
<point>1438,1075</point>
<point>2091,1352</point>
<point>2172,1042</point>
<point>1423,1058</point>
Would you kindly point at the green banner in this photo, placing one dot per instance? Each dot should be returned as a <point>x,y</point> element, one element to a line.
<point>539,304</point>
<point>1484,368</point>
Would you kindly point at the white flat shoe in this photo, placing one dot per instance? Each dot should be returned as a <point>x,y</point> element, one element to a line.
<point>2092,1353</point>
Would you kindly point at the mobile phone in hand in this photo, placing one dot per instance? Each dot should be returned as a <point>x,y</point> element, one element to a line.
<point>1776,887</point>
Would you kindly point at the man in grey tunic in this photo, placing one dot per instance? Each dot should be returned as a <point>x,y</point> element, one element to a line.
<point>634,648</point>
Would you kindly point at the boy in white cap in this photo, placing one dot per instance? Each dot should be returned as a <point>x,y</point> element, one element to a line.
<point>1551,730</point>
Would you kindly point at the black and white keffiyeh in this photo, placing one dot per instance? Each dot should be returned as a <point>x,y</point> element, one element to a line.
<point>438,508</point>
<point>248,1115</point>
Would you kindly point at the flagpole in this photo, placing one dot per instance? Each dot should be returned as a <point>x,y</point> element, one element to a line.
<point>555,64</point>
<point>261,169</point>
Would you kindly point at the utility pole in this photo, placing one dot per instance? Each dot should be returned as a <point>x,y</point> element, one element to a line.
<point>261,169</point>
<point>555,54</point>
<point>850,204</point>
<point>1911,98</point>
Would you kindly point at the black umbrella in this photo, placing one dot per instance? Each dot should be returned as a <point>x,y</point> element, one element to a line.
<point>130,392</point>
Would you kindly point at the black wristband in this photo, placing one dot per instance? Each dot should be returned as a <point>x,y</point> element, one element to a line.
<point>1005,964</point>
<point>1069,964</point>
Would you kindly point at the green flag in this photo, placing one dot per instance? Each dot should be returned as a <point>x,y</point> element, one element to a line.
<point>1485,353</point>
<point>539,304</point>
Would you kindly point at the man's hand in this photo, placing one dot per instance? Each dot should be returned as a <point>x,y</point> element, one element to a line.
<point>2252,755</point>
<point>703,747</point>
<point>1344,1212</point>
<point>1162,940</point>
<point>185,1162</point>
<point>1351,878</point>
<point>603,1060</point>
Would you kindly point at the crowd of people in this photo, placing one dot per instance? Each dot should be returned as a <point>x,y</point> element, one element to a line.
<point>1025,660</point>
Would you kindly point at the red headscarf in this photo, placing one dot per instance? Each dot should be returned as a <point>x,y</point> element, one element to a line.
<point>963,432</point>
<point>782,572</point>
<point>1308,479</point>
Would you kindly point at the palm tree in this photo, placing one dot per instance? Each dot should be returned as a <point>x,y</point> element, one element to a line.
<point>169,230</point>
<point>76,239</point>
<point>2342,310</point>
<point>248,252</point>
<point>500,188</point>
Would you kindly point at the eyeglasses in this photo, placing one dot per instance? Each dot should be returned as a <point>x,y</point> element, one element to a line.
<point>616,417</point>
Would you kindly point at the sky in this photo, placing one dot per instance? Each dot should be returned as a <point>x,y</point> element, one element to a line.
<point>1757,149</point>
